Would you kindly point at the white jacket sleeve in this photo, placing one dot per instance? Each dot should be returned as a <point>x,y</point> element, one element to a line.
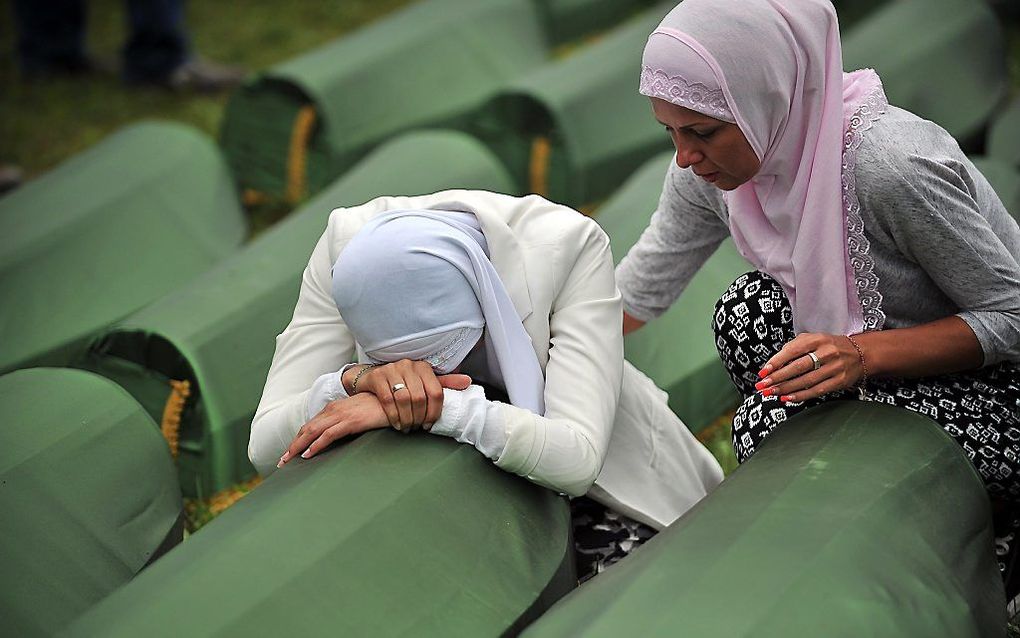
<point>564,449</point>
<point>315,341</point>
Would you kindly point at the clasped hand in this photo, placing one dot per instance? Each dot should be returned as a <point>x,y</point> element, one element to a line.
<point>791,375</point>
<point>418,403</point>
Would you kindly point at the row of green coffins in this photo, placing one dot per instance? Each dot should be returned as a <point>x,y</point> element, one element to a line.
<point>296,127</point>
<point>570,128</point>
<point>117,226</point>
<point>121,225</point>
<point>217,333</point>
<point>852,519</point>
<point>413,535</point>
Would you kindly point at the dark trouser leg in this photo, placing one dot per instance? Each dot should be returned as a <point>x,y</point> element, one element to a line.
<point>753,321</point>
<point>602,537</point>
<point>158,43</point>
<point>51,35</point>
<point>979,409</point>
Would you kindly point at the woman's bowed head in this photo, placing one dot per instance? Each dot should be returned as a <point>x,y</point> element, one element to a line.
<point>431,301</point>
<point>714,149</point>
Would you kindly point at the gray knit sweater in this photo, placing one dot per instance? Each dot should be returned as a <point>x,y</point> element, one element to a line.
<point>941,242</point>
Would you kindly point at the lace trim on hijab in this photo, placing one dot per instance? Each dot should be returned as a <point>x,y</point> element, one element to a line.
<point>858,246</point>
<point>693,95</point>
<point>438,360</point>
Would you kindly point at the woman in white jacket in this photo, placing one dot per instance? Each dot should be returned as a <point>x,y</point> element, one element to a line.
<point>516,292</point>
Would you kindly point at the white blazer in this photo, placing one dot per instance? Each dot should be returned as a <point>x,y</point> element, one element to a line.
<point>607,430</point>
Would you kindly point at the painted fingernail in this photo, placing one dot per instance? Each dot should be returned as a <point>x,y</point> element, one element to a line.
<point>786,398</point>
<point>307,453</point>
<point>761,385</point>
<point>767,392</point>
<point>764,372</point>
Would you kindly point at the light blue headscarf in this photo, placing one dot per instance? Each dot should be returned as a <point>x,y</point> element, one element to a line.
<point>418,284</point>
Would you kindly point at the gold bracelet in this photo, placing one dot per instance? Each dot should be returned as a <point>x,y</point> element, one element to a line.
<point>860,353</point>
<point>357,377</point>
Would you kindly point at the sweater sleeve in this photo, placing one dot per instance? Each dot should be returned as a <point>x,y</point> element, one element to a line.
<point>684,231</point>
<point>929,207</point>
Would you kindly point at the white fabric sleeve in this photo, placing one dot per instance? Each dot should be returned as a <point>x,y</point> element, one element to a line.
<point>329,387</point>
<point>565,448</point>
<point>470,418</point>
<point>315,342</point>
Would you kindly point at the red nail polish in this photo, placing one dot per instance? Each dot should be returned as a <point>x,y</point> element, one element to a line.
<point>760,385</point>
<point>763,373</point>
<point>767,392</point>
<point>786,398</point>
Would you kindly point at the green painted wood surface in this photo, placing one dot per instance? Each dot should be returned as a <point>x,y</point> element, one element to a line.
<point>387,535</point>
<point>123,223</point>
<point>87,494</point>
<point>424,65</point>
<point>1005,179</point>
<point>852,519</point>
<point>1004,134</point>
<point>677,350</point>
<point>586,105</point>
<point>921,48</point>
<point>568,20</point>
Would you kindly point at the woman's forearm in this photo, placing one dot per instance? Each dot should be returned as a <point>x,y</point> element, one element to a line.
<point>939,347</point>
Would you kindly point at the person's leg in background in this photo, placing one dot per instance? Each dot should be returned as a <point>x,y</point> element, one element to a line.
<point>51,37</point>
<point>157,40</point>
<point>158,50</point>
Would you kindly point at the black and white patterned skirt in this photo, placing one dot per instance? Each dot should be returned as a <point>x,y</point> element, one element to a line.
<point>980,409</point>
<point>602,537</point>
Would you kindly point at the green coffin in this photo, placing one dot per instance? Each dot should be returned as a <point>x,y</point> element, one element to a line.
<point>104,233</point>
<point>1005,179</point>
<point>389,535</point>
<point>576,128</point>
<point>295,128</point>
<point>568,20</point>
<point>944,60</point>
<point>1004,135</point>
<point>88,495</point>
<point>853,519</point>
<point>219,332</point>
<point>853,11</point>
<point>677,350</point>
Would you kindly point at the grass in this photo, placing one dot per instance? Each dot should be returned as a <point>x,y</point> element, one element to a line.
<point>43,123</point>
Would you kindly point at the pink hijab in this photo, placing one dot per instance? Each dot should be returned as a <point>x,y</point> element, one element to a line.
<point>774,68</point>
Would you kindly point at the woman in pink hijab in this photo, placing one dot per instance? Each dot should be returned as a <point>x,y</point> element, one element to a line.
<point>887,269</point>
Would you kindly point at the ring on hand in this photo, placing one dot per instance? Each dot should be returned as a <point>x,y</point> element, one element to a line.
<point>814,360</point>
<point>398,386</point>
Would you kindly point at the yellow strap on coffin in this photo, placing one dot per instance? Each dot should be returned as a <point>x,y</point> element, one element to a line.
<point>538,167</point>
<point>170,425</point>
<point>297,155</point>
